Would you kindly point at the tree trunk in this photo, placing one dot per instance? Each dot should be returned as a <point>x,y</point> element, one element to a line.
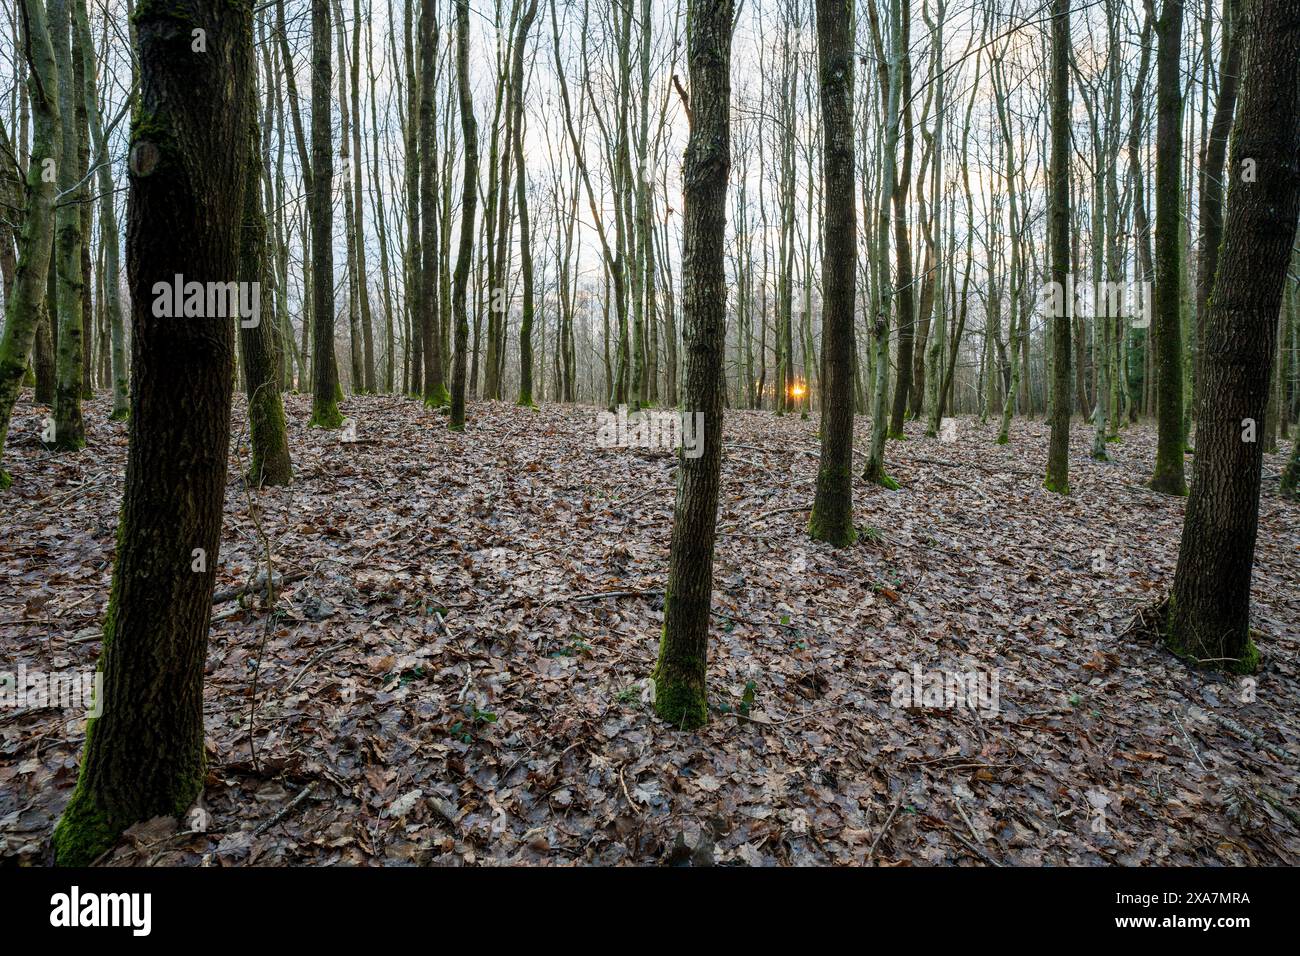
<point>679,675</point>
<point>521,198</point>
<point>107,225</point>
<point>832,511</point>
<point>367,382</point>
<point>435,390</point>
<point>24,310</point>
<point>1058,235</point>
<point>144,755</point>
<point>270,463</point>
<point>1209,608</point>
<point>69,430</point>
<point>1171,442</point>
<point>325,373</point>
<point>469,201</point>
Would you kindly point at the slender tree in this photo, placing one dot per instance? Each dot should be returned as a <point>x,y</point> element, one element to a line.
<point>358,217</point>
<point>679,676</point>
<point>69,429</point>
<point>1058,237</point>
<point>468,206</point>
<point>325,374</point>
<point>1211,174</point>
<point>903,293</point>
<point>890,69</point>
<point>24,303</point>
<point>521,199</point>
<point>270,463</point>
<point>832,511</point>
<point>1171,442</point>
<point>108,233</point>
<point>435,389</point>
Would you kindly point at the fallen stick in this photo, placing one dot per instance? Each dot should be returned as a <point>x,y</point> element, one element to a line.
<point>885,828</point>
<point>231,594</point>
<point>1251,737</point>
<point>314,658</point>
<point>599,595</point>
<point>284,810</point>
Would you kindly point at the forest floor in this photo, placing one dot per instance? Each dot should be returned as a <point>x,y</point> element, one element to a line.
<point>447,680</point>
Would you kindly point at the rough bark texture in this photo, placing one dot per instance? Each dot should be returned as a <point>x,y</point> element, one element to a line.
<point>69,430</point>
<point>325,373</point>
<point>832,512</point>
<point>24,311</point>
<point>270,463</point>
<point>679,675</point>
<point>1167,299</point>
<point>1216,148</point>
<point>1209,607</point>
<point>468,204</point>
<point>144,754</point>
<point>1058,238</point>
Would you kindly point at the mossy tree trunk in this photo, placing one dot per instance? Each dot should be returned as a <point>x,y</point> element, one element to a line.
<point>874,471</point>
<point>43,351</point>
<point>12,196</point>
<point>468,207</point>
<point>144,754</point>
<point>325,373</point>
<point>1058,238</point>
<point>679,675</point>
<point>69,429</point>
<point>80,43</point>
<point>1209,608</point>
<point>24,308</point>
<point>1171,442</point>
<point>108,230</point>
<point>270,463</point>
<point>832,511</point>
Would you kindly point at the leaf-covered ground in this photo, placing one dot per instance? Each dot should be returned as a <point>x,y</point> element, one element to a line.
<point>445,678</point>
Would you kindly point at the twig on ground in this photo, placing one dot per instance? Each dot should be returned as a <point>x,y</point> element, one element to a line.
<point>284,811</point>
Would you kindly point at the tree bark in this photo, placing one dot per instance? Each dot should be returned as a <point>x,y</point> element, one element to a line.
<point>144,755</point>
<point>325,373</point>
<point>521,199</point>
<point>435,390</point>
<point>679,675</point>
<point>832,511</point>
<point>24,306</point>
<point>1209,607</point>
<point>1058,235</point>
<point>1171,442</point>
<point>69,429</point>
<point>270,463</point>
<point>468,204</point>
